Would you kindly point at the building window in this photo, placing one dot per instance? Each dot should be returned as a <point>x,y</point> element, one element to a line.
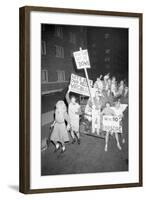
<point>71,52</point>
<point>61,76</point>
<point>43,48</point>
<point>81,28</point>
<point>44,76</point>
<point>93,45</point>
<point>107,51</point>
<point>107,59</point>
<point>59,51</point>
<point>106,36</point>
<point>82,43</point>
<point>72,38</point>
<point>107,66</point>
<point>59,32</point>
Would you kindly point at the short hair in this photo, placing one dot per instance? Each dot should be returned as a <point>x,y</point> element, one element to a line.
<point>117,100</point>
<point>61,105</point>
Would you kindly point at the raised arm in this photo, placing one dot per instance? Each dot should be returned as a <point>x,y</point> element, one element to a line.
<point>67,96</point>
<point>66,117</point>
<point>79,112</point>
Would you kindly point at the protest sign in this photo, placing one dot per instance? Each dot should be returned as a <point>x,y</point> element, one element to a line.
<point>82,59</point>
<point>112,124</point>
<point>79,85</point>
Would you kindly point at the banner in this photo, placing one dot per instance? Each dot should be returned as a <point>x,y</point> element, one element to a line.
<point>112,124</point>
<point>79,85</point>
<point>82,59</point>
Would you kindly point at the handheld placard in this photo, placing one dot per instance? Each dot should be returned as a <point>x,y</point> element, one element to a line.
<point>82,62</point>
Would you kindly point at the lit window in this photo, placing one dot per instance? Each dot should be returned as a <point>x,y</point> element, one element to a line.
<point>44,76</point>
<point>43,48</point>
<point>106,36</point>
<point>93,45</point>
<point>107,51</point>
<point>61,76</point>
<point>107,66</point>
<point>107,59</point>
<point>72,37</point>
<point>58,32</point>
<point>59,51</point>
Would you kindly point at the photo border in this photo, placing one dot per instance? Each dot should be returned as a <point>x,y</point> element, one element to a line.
<point>24,99</point>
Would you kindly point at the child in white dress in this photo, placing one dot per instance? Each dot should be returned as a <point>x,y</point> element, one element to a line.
<point>114,86</point>
<point>95,103</point>
<point>108,111</point>
<point>60,133</point>
<point>119,109</point>
<point>74,112</point>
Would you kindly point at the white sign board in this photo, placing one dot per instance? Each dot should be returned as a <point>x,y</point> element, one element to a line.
<point>82,59</point>
<point>112,124</point>
<point>79,85</point>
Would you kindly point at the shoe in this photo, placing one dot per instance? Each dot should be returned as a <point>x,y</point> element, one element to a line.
<point>73,141</point>
<point>63,149</point>
<point>105,149</point>
<point>57,147</point>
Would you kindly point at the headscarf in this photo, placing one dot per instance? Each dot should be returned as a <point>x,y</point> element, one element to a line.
<point>60,105</point>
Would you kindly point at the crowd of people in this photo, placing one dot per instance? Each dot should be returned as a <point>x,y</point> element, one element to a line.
<point>108,98</point>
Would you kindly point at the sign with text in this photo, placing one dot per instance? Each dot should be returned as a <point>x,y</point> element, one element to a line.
<point>112,124</point>
<point>82,59</point>
<point>79,85</point>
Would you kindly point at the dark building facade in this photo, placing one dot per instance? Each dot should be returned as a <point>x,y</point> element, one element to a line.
<point>108,51</point>
<point>57,62</point>
<point>107,47</point>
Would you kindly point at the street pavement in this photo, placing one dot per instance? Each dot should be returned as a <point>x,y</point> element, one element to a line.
<point>88,157</point>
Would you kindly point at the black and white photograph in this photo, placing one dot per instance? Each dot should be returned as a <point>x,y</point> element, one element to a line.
<point>81,99</point>
<point>84,99</point>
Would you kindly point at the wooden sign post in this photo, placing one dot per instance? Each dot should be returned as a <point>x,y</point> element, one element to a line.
<point>82,62</point>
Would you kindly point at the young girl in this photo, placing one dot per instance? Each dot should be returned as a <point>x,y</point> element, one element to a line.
<point>60,134</point>
<point>119,109</point>
<point>121,88</point>
<point>95,103</point>
<point>105,81</point>
<point>114,86</point>
<point>108,111</point>
<point>74,112</point>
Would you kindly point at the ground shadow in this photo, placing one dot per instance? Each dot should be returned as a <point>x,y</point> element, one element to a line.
<point>14,187</point>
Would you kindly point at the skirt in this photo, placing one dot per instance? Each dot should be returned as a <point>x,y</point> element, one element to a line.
<point>74,120</point>
<point>59,133</point>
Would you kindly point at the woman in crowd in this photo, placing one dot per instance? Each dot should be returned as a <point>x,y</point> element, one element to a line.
<point>74,112</point>
<point>108,111</point>
<point>60,132</point>
<point>95,104</point>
